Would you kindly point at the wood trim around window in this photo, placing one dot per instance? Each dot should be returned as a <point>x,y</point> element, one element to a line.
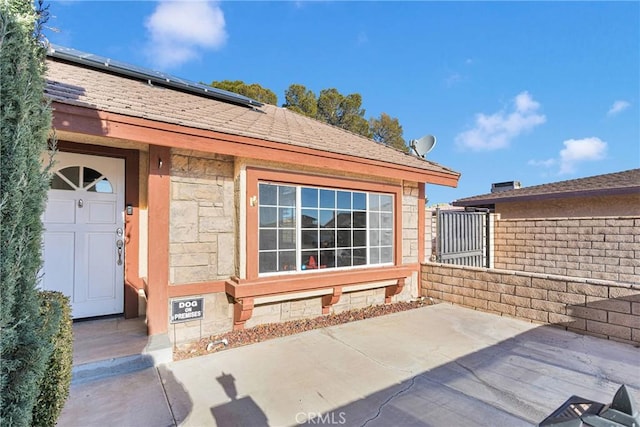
<point>255,175</point>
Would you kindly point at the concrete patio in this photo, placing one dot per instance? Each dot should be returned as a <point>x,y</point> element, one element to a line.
<point>439,365</point>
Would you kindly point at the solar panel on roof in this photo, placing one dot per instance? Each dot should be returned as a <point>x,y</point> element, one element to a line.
<point>152,76</point>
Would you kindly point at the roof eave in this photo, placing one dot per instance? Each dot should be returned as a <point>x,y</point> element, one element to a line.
<point>83,120</point>
<point>547,196</point>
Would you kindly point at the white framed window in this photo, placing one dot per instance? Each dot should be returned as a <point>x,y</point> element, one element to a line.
<point>305,228</point>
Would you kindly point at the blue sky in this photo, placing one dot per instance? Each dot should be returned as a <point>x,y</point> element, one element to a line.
<point>531,91</point>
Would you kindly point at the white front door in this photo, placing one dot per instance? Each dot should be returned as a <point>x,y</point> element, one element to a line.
<point>84,233</point>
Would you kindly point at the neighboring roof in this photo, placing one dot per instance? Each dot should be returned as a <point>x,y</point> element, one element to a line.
<point>626,182</point>
<point>81,85</point>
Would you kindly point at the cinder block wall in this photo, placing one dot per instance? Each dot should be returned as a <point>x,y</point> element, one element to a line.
<point>594,248</point>
<point>601,308</point>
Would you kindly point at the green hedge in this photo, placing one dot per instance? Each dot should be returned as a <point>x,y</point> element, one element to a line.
<point>54,386</point>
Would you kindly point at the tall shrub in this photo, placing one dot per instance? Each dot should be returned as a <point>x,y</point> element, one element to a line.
<point>25,121</point>
<point>54,385</point>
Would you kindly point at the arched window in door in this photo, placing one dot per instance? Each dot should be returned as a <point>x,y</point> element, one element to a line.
<point>74,178</point>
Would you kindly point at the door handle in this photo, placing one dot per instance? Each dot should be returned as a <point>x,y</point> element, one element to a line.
<point>119,245</point>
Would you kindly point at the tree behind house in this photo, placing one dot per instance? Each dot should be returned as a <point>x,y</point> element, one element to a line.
<point>387,130</point>
<point>253,91</point>
<point>25,121</point>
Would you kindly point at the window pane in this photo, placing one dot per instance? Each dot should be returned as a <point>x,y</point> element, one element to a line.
<point>286,217</point>
<point>386,220</point>
<point>386,203</point>
<point>72,174</point>
<point>309,218</point>
<point>287,260</point>
<point>327,199</point>
<point>268,217</point>
<point>309,239</point>
<point>89,176</point>
<point>374,238</point>
<point>310,260</point>
<point>359,201</point>
<point>327,238</point>
<point>268,240</point>
<point>344,219</point>
<point>374,220</point>
<point>327,219</point>
<point>287,196</point>
<point>344,238</point>
<point>374,256</point>
<point>386,238</point>
<point>360,238</point>
<point>360,256</point>
<point>327,259</point>
<point>102,186</point>
<point>337,228</point>
<point>344,200</point>
<point>309,198</point>
<point>267,262</point>
<point>58,183</point>
<point>344,258</point>
<point>374,202</point>
<point>268,194</point>
<point>386,254</point>
<point>359,220</point>
<point>287,239</point>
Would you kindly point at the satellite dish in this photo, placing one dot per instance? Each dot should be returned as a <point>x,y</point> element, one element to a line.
<point>423,145</point>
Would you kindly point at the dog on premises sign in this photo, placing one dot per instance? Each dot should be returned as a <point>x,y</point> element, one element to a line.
<point>187,309</point>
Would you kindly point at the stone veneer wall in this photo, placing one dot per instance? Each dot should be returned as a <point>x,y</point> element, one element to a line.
<point>410,223</point>
<point>312,307</point>
<point>595,307</point>
<point>202,218</point>
<point>202,235</point>
<point>596,248</point>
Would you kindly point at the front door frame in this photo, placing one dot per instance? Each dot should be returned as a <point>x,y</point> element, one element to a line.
<point>132,280</point>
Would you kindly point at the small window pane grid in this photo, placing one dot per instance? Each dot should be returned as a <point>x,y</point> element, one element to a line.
<point>334,228</point>
<point>74,178</point>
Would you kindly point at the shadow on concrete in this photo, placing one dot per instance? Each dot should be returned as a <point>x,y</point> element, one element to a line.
<point>238,412</point>
<point>516,382</point>
<point>180,403</point>
<point>440,365</point>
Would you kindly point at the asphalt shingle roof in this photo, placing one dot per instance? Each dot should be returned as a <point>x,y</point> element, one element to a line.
<point>612,183</point>
<point>83,86</point>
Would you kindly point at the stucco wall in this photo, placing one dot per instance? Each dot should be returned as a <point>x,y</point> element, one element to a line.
<point>202,217</point>
<point>597,248</point>
<point>621,205</point>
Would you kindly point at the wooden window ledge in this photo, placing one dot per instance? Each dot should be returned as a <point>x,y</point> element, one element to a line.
<point>247,293</point>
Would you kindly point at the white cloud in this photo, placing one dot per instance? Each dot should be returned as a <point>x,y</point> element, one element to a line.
<point>581,150</point>
<point>178,31</point>
<point>495,131</point>
<point>618,107</point>
<point>543,163</point>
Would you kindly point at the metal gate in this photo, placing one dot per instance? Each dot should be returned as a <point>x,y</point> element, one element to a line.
<point>463,238</point>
